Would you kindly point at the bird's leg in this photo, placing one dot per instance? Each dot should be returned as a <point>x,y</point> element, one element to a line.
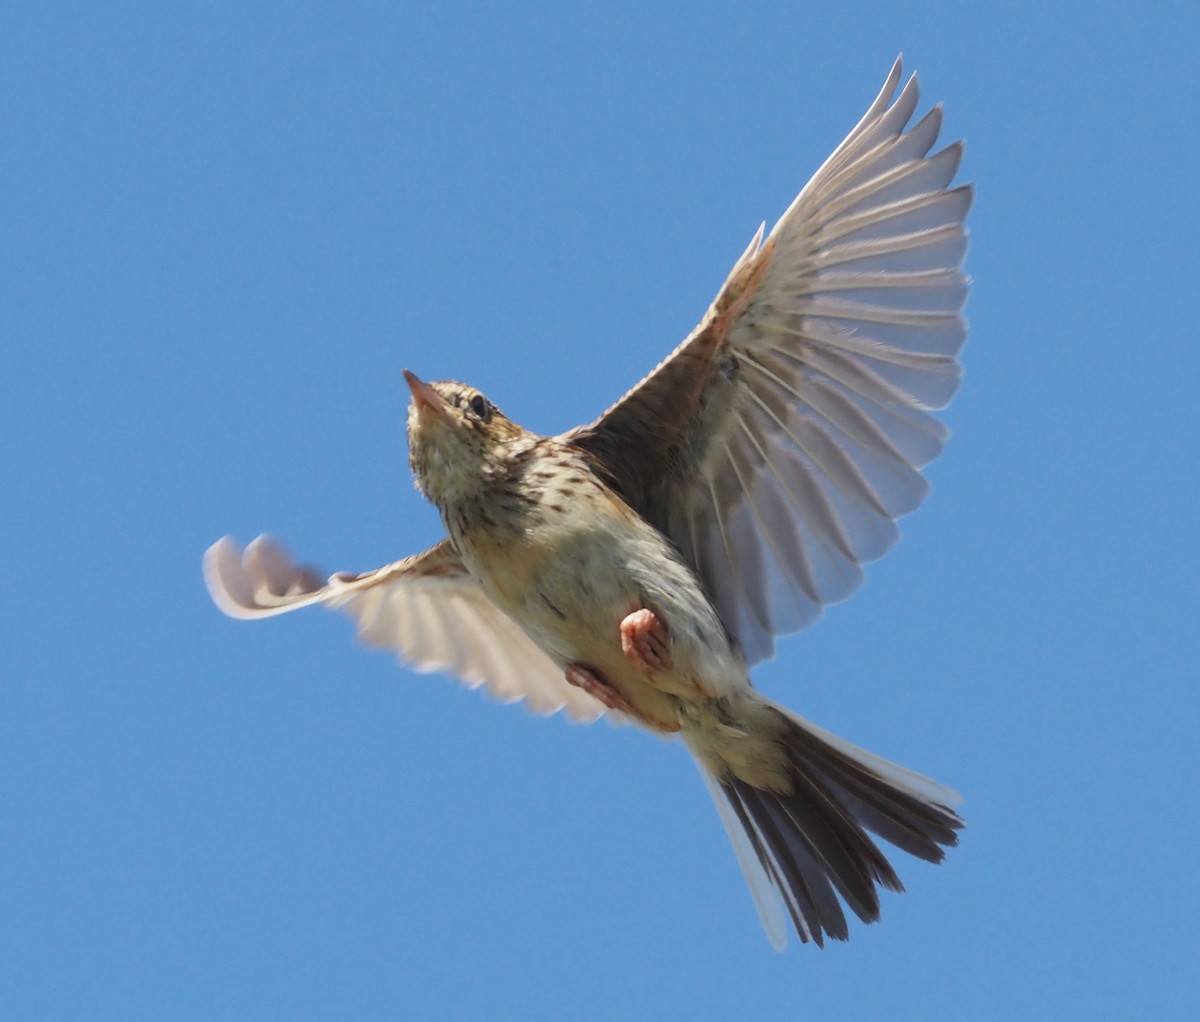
<point>595,686</point>
<point>644,639</point>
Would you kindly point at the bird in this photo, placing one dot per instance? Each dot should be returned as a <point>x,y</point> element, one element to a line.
<point>638,566</point>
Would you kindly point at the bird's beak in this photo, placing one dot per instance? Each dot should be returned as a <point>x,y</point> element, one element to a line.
<point>425,399</point>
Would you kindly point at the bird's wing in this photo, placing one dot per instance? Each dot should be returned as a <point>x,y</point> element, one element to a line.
<point>428,608</point>
<point>778,444</point>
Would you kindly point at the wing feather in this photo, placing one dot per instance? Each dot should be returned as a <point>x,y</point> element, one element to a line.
<point>791,426</point>
<point>426,608</point>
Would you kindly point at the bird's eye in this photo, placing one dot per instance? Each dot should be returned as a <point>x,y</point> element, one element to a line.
<point>479,407</point>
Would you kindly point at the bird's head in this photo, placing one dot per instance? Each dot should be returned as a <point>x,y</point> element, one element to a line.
<point>457,439</point>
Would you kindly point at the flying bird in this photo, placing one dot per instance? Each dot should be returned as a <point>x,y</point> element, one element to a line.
<point>639,565</point>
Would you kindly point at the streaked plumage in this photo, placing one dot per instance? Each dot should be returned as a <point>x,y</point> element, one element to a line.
<point>725,500</point>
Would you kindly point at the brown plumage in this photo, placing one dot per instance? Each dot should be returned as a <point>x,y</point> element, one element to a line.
<point>640,564</point>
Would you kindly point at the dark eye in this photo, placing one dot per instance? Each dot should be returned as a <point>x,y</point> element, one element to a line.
<point>479,406</point>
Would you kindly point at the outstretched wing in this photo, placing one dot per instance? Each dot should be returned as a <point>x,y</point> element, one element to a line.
<point>427,608</point>
<point>778,444</point>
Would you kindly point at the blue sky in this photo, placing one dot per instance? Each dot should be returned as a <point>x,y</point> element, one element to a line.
<point>227,228</point>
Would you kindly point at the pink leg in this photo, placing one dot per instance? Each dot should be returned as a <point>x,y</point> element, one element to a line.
<point>645,641</point>
<point>595,686</point>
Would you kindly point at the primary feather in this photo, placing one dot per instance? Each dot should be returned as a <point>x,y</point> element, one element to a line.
<point>778,444</point>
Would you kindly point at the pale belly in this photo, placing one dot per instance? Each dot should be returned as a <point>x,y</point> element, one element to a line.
<point>569,579</point>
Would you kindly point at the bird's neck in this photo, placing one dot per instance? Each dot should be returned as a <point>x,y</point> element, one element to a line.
<point>454,486</point>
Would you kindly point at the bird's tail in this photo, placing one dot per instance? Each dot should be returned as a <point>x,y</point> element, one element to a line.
<point>798,802</point>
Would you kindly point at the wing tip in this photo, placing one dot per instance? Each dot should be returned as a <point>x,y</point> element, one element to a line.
<point>227,580</point>
<point>237,578</point>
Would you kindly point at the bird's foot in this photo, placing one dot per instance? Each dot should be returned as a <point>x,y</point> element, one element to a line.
<point>595,686</point>
<point>644,639</point>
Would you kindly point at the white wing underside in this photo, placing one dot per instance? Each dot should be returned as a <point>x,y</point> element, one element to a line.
<point>427,609</point>
<point>848,339</point>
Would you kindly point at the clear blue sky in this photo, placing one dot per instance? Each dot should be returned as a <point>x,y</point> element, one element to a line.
<point>226,230</point>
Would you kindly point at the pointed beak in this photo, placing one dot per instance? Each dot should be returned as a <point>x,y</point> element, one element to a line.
<point>425,398</point>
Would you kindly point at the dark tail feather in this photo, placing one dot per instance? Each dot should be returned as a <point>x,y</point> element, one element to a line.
<point>812,841</point>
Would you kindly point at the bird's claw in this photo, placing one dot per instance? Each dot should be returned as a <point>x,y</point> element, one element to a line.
<point>595,686</point>
<point>645,640</point>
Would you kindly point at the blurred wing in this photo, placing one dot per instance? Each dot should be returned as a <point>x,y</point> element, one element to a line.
<point>778,444</point>
<point>427,608</point>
